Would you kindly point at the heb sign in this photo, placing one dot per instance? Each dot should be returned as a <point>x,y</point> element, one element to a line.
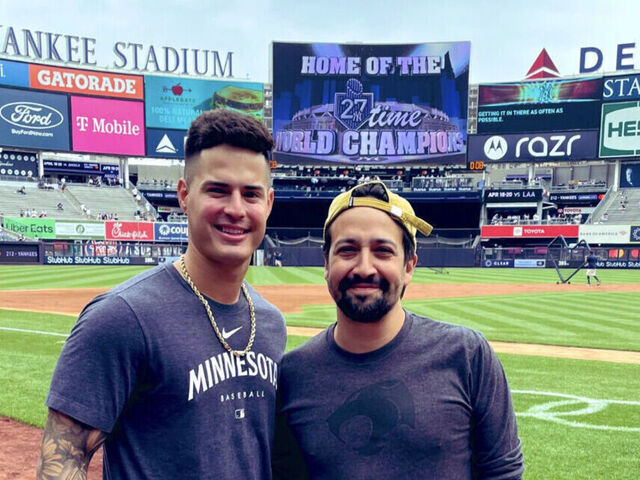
<point>619,132</point>
<point>129,231</point>
<point>170,232</point>
<point>529,231</point>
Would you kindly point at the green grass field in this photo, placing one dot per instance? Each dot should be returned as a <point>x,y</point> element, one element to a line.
<point>577,419</point>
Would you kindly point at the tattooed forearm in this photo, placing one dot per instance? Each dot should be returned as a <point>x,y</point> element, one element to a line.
<point>67,448</point>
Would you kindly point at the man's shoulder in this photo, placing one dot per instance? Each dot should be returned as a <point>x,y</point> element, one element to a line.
<point>149,279</point>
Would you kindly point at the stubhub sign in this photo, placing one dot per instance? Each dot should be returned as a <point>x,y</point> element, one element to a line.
<point>170,232</point>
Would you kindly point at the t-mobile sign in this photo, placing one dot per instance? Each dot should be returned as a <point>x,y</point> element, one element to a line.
<point>107,126</point>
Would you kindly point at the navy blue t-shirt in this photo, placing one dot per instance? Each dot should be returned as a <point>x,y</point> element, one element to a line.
<point>144,364</point>
<point>431,404</point>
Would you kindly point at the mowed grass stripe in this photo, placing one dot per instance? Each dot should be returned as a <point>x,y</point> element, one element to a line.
<point>552,322</point>
<point>39,277</point>
<point>624,312</point>
<point>564,311</point>
<point>53,323</point>
<point>583,316</point>
<point>504,316</point>
<point>548,321</point>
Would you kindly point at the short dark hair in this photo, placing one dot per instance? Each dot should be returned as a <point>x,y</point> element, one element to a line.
<point>407,243</point>
<point>217,127</point>
<point>224,127</point>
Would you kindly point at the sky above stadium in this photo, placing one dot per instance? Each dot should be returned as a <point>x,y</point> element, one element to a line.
<point>505,36</point>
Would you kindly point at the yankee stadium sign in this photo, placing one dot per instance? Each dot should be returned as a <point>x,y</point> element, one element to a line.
<point>73,49</point>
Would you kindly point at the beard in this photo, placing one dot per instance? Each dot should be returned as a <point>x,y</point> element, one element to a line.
<point>357,307</point>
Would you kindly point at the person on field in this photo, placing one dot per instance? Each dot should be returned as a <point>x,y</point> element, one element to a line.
<point>175,371</point>
<point>591,262</point>
<point>385,393</point>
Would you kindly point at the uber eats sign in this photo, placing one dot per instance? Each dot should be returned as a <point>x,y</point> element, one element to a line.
<point>31,227</point>
<point>620,130</point>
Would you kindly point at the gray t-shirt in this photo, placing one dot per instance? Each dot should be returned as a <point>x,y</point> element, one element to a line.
<point>143,364</point>
<point>431,404</point>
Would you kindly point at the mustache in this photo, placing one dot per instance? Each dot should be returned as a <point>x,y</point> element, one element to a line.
<point>348,282</point>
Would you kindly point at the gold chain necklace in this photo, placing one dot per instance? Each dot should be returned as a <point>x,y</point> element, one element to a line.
<point>252,313</point>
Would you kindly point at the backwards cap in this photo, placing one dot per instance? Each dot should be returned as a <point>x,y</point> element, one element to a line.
<point>376,195</point>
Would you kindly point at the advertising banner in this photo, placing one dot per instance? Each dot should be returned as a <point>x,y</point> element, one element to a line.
<point>522,195</point>
<point>81,260</point>
<point>165,143</point>
<point>620,130</point>
<point>129,231</point>
<point>618,264</point>
<point>630,176</point>
<point>63,166</point>
<point>370,104</point>
<point>623,87</point>
<point>577,210</point>
<point>539,106</point>
<point>19,253</point>
<point>591,198</point>
<point>170,232</point>
<point>489,263</point>
<point>634,235</point>
<point>70,229</point>
<point>18,164</point>
<point>541,147</point>
<point>529,263</point>
<point>87,82</point>
<point>529,231</point>
<point>173,103</point>
<point>107,126</point>
<point>31,227</point>
<point>34,120</point>
<point>615,234</point>
<point>15,74</point>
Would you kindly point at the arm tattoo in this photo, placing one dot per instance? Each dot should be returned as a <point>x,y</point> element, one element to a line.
<point>67,448</point>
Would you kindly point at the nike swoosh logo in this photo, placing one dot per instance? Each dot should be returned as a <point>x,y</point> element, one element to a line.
<point>226,334</point>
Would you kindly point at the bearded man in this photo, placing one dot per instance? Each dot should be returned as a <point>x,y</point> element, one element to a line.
<point>383,392</point>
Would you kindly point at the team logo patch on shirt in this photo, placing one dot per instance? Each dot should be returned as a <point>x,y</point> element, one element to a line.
<point>386,405</point>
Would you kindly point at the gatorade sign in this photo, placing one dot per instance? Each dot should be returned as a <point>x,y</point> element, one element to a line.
<point>620,130</point>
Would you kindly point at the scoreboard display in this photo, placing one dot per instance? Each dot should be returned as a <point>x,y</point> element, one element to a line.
<point>19,253</point>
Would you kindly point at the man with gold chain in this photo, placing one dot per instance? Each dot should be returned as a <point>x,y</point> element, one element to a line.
<point>175,370</point>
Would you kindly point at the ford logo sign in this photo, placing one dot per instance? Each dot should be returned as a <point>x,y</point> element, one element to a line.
<point>31,115</point>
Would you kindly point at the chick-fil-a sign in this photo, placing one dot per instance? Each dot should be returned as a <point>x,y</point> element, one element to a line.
<point>129,231</point>
<point>107,126</point>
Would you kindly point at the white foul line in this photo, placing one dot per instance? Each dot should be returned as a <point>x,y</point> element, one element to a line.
<point>37,332</point>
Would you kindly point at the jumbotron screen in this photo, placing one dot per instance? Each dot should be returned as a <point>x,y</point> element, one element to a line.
<point>370,104</point>
<point>539,106</point>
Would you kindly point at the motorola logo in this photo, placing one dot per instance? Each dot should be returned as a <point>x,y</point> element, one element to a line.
<point>495,147</point>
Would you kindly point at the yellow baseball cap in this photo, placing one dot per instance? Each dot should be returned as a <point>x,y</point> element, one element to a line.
<point>376,195</point>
